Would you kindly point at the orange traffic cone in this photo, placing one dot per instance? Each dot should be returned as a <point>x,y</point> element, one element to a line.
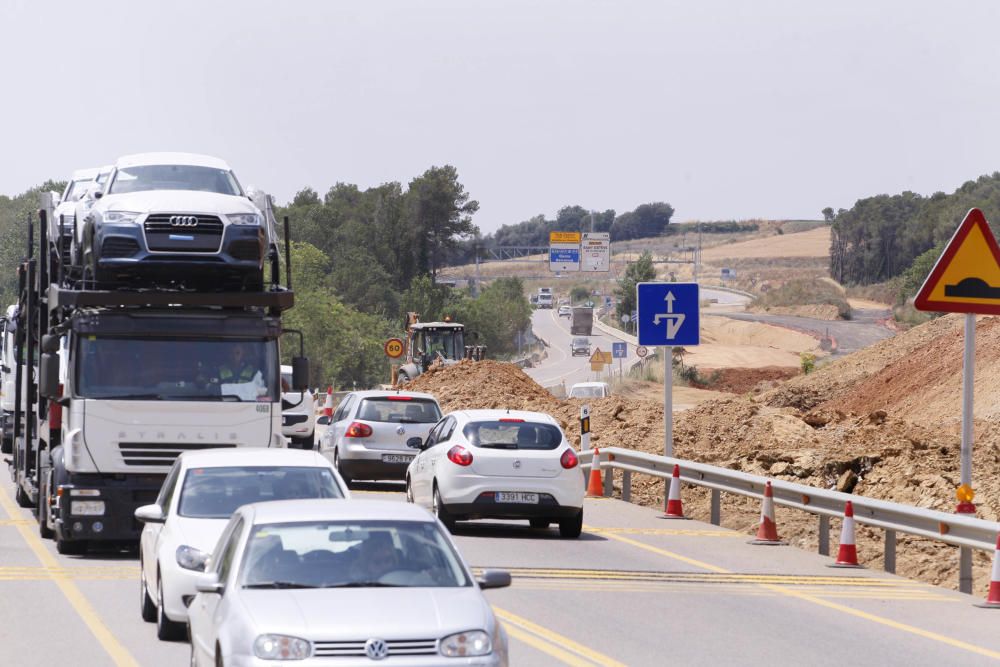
<point>993,598</point>
<point>847,554</point>
<point>328,405</point>
<point>767,532</point>
<point>595,488</point>
<point>674,509</point>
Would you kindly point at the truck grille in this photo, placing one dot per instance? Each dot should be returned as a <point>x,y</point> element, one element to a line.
<point>204,236</point>
<point>357,648</point>
<point>160,453</point>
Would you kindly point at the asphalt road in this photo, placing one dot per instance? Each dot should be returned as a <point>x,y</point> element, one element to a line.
<point>635,589</point>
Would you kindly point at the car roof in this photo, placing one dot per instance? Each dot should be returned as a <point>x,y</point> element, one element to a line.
<point>382,393</point>
<point>88,174</point>
<point>187,159</point>
<point>281,511</point>
<point>495,415</point>
<point>252,456</point>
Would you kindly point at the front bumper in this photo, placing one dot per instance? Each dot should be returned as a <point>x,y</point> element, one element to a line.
<point>492,660</point>
<point>121,498</point>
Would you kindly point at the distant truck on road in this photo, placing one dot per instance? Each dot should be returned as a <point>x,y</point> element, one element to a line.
<point>545,297</point>
<point>582,323</point>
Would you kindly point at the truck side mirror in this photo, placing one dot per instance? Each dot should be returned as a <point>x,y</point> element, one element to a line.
<point>50,343</point>
<point>48,372</point>
<point>300,373</point>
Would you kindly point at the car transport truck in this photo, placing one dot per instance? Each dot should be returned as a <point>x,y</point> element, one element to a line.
<point>126,380</point>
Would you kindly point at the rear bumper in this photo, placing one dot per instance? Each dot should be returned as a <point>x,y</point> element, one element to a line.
<point>373,469</point>
<point>121,498</point>
<point>488,509</point>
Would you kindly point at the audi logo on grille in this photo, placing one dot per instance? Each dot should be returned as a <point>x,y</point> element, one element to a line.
<point>376,649</point>
<point>183,221</point>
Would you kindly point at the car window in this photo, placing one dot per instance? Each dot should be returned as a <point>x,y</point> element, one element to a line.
<point>399,410</point>
<point>351,554</point>
<point>226,559</point>
<point>513,434</point>
<point>434,436</point>
<point>344,408</point>
<point>448,428</point>
<point>215,493</point>
<point>169,485</point>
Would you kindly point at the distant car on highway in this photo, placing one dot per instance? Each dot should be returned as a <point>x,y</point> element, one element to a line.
<point>368,434</point>
<point>590,390</point>
<point>579,345</point>
<point>498,464</point>
<point>200,493</point>
<point>565,311</point>
<point>343,584</point>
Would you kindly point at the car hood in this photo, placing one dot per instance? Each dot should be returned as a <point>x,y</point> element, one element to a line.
<point>340,614</point>
<point>202,534</point>
<point>176,201</point>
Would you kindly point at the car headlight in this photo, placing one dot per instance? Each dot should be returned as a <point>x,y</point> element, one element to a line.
<point>464,644</point>
<point>244,218</point>
<point>86,507</point>
<point>281,647</point>
<point>119,216</point>
<point>190,558</point>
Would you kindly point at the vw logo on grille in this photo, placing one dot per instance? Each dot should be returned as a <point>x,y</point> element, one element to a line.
<point>376,649</point>
<point>400,430</point>
<point>183,221</point>
<point>517,463</point>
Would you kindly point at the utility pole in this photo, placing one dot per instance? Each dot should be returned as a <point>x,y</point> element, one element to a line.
<point>475,291</point>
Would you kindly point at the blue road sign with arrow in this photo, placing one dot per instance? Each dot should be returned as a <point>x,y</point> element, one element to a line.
<point>668,314</point>
<point>619,351</point>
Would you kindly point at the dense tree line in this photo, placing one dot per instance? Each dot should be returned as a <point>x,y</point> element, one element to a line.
<point>645,221</point>
<point>882,237</point>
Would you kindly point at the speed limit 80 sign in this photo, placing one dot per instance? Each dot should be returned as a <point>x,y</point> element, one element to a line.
<point>393,348</point>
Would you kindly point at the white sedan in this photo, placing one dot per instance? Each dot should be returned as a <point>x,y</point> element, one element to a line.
<point>482,464</point>
<point>198,496</point>
<point>324,583</point>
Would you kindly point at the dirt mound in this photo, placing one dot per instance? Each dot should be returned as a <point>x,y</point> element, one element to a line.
<point>742,380</point>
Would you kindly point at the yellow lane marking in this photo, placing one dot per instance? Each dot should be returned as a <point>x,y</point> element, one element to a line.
<point>115,650</point>
<point>14,572</point>
<point>791,592</point>
<point>15,522</point>
<point>615,587</point>
<point>558,643</point>
<point>565,657</point>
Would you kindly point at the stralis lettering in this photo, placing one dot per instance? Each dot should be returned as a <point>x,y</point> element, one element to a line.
<point>162,435</point>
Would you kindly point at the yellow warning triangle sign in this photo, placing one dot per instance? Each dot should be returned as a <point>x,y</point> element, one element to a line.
<point>966,278</point>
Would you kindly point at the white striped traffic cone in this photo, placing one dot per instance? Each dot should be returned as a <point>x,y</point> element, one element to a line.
<point>328,405</point>
<point>674,508</point>
<point>767,531</point>
<point>847,553</point>
<point>993,597</point>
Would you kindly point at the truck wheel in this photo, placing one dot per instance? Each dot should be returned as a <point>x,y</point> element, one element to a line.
<point>309,442</point>
<point>71,547</point>
<point>44,531</point>
<point>22,498</point>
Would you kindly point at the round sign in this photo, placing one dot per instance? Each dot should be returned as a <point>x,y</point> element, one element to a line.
<point>641,351</point>
<point>393,348</point>
<point>625,319</point>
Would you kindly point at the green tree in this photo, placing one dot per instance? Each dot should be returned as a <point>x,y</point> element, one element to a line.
<point>441,212</point>
<point>640,271</point>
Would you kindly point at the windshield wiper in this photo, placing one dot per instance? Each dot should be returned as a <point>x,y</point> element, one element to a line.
<point>278,584</point>
<point>364,584</point>
<point>413,421</point>
<point>134,397</point>
<point>499,445</point>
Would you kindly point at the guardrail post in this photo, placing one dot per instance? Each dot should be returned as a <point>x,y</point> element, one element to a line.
<point>824,535</point>
<point>890,551</point>
<point>627,485</point>
<point>716,508</point>
<point>965,570</point>
<point>609,481</point>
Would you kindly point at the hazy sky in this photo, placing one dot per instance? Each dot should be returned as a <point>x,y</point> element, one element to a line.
<point>726,109</point>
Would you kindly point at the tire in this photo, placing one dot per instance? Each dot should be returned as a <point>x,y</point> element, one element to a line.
<point>22,498</point>
<point>540,524</point>
<point>71,547</point>
<point>6,445</point>
<point>305,443</point>
<point>166,629</point>
<point>218,656</point>
<point>409,490</point>
<point>44,531</point>
<point>442,513</point>
<point>571,528</point>
<point>147,608</point>
<point>336,464</point>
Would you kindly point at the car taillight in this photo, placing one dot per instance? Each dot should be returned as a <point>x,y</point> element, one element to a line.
<point>55,412</point>
<point>568,459</point>
<point>399,398</point>
<point>459,455</point>
<point>358,430</point>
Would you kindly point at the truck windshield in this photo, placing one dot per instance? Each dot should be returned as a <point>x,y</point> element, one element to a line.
<point>113,367</point>
<point>174,177</point>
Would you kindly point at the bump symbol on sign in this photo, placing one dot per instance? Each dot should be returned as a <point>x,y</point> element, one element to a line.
<point>674,320</point>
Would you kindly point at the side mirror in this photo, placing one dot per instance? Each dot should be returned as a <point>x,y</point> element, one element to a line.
<point>208,583</point>
<point>98,194</point>
<point>324,420</point>
<point>50,343</point>
<point>300,373</point>
<point>493,579</point>
<point>150,514</point>
<point>48,372</point>
<point>415,443</point>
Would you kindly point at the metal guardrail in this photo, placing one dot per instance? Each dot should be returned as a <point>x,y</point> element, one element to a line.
<point>954,529</point>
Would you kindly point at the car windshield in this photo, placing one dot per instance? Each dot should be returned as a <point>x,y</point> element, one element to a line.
<point>399,410</point>
<point>580,341</point>
<point>76,189</point>
<point>513,434</point>
<point>355,554</point>
<point>174,177</point>
<point>587,392</point>
<point>215,493</point>
<point>113,367</point>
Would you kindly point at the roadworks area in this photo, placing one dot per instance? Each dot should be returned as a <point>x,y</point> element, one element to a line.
<point>883,423</point>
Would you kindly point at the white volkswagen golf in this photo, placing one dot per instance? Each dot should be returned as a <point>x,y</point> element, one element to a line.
<point>486,464</point>
<point>200,493</point>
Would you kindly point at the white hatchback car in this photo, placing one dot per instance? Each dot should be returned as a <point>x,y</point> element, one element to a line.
<point>346,584</point>
<point>481,464</point>
<point>590,390</point>
<point>370,429</point>
<point>200,493</point>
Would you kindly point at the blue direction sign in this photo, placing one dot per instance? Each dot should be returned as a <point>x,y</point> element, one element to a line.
<point>668,314</point>
<point>619,351</point>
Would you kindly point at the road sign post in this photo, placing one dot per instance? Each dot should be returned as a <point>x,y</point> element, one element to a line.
<point>619,351</point>
<point>668,315</point>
